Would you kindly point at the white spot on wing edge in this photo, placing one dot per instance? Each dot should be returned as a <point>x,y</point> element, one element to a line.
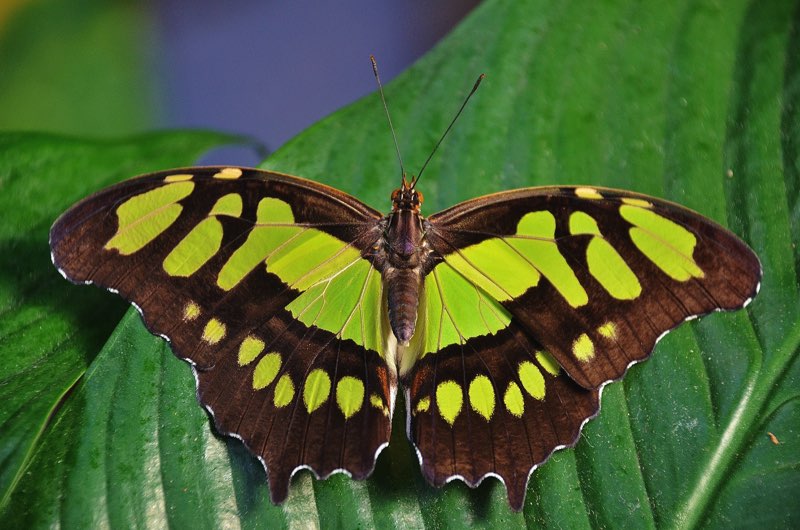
<point>59,269</point>
<point>758,289</point>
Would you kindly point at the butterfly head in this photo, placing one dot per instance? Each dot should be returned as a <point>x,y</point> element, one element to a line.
<point>406,197</point>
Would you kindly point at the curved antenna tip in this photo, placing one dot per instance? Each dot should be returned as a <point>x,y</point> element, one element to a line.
<point>460,110</point>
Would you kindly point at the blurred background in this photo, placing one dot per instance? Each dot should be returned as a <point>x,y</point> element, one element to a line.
<point>106,68</point>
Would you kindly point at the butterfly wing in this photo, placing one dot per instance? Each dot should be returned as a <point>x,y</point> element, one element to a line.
<point>493,405</point>
<point>243,271</point>
<point>541,296</point>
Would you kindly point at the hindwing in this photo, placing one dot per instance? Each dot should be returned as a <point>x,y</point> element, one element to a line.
<point>497,405</point>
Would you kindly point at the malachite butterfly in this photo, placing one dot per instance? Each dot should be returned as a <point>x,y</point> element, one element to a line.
<point>302,310</point>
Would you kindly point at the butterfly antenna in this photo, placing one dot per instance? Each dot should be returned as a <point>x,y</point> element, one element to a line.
<point>474,88</point>
<point>389,119</point>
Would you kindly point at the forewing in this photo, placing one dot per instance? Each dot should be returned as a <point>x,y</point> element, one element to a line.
<point>258,280</point>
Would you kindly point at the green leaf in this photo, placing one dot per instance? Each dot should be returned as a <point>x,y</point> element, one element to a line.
<point>77,69</point>
<point>50,332</point>
<point>697,103</point>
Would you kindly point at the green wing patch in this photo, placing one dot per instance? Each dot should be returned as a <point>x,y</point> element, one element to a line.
<point>346,304</point>
<point>507,267</point>
<point>455,309</point>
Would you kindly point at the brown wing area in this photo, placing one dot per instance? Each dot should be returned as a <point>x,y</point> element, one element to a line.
<point>309,414</point>
<point>492,406</point>
<point>240,340</point>
<point>731,275</point>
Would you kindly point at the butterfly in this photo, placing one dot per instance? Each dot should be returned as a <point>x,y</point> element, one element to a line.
<point>302,310</point>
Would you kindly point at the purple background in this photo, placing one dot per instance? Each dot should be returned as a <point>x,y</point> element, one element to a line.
<point>271,69</point>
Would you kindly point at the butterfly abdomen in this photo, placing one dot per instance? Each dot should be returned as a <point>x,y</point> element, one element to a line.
<point>403,299</point>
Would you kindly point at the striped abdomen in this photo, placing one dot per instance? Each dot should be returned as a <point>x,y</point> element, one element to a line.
<point>403,299</point>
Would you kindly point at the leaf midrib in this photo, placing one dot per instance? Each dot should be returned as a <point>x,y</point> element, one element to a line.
<point>759,388</point>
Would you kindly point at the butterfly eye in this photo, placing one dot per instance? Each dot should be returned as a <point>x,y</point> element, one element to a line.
<point>419,197</point>
<point>395,195</point>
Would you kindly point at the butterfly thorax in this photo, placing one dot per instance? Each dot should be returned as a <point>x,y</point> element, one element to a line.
<point>404,254</point>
